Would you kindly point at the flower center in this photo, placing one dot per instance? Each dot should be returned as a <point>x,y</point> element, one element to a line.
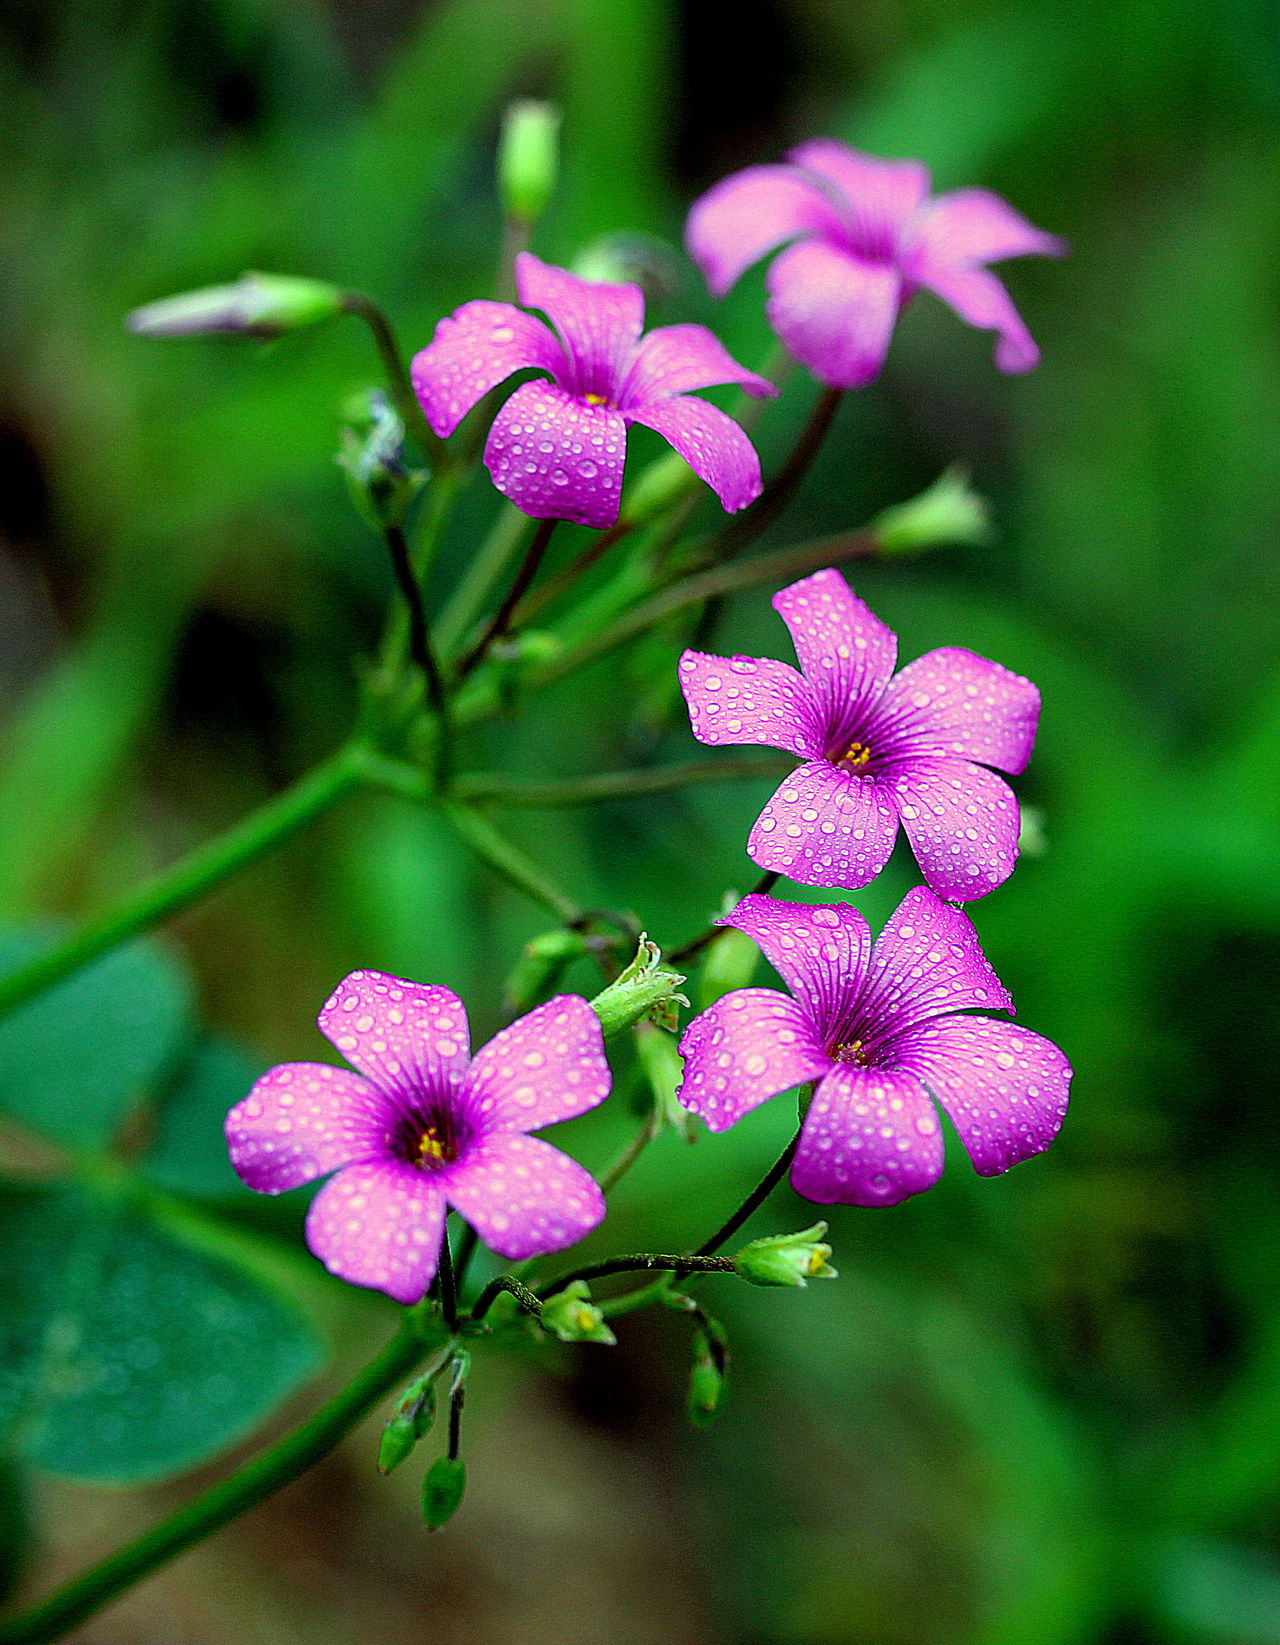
<point>596,399</point>
<point>851,1051</point>
<point>433,1149</point>
<point>430,1137</point>
<point>857,754</point>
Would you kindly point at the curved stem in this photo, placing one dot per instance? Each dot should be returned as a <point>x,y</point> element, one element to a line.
<point>420,649</point>
<point>193,876</point>
<point>638,1262</point>
<point>510,863</point>
<point>565,578</point>
<point>763,886</point>
<point>753,1201</point>
<point>501,620</point>
<point>610,1179</point>
<point>780,490</point>
<point>398,379</point>
<point>527,1299</point>
<point>259,1478</point>
<point>617,785</point>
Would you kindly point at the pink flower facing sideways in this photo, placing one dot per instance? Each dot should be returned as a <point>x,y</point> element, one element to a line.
<point>867,238</point>
<point>557,449</point>
<point>878,748</point>
<point>424,1126</point>
<point>878,1028</point>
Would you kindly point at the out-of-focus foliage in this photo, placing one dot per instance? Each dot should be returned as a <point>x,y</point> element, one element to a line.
<point>1033,1410</point>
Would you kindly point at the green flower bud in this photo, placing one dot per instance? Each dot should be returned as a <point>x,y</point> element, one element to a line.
<point>706,1379</point>
<point>372,458</point>
<point>634,259</point>
<point>257,305</point>
<point>536,974</point>
<point>573,1317</point>
<point>410,1420</point>
<point>731,962</point>
<point>528,158</point>
<point>442,1491</point>
<point>663,1069</point>
<point>645,989</point>
<point>786,1259</point>
<point>947,512</point>
<point>1032,839</point>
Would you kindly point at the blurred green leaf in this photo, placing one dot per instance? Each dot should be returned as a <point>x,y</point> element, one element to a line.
<point>75,1058</point>
<point>188,1152</point>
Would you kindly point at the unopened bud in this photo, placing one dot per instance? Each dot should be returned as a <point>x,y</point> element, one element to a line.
<point>573,1317</point>
<point>634,259</point>
<point>257,305</point>
<point>442,1491</point>
<point>786,1259</point>
<point>382,486</point>
<point>528,158</point>
<point>1032,839</point>
<point>731,963</point>
<point>663,1069</point>
<point>536,975</point>
<point>410,1420</point>
<point>706,1379</point>
<point>646,988</point>
<point>949,511</point>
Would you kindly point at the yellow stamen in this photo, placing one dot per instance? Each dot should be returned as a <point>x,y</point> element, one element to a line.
<point>430,1147</point>
<point>595,399</point>
<point>856,754</point>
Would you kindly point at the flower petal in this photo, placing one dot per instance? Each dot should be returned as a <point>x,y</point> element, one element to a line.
<point>547,1066</point>
<point>380,1224</point>
<point>819,950</point>
<point>713,445</point>
<point>881,195</point>
<point>978,297</point>
<point>743,1050</point>
<point>846,652</point>
<point>302,1120</point>
<point>556,458</point>
<point>834,311</point>
<point>871,1137</point>
<point>410,1039</point>
<point>735,223</point>
<point>825,826</point>
<point>749,700</point>
<point>599,324</point>
<point>962,821</point>
<point>522,1196</point>
<point>972,225</point>
<point>1004,1087</point>
<point>474,349</point>
<point>678,359</point>
<point>926,962</point>
<point>951,702</point>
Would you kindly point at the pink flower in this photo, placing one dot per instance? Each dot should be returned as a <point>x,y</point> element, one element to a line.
<point>877,749</point>
<point>867,238</point>
<point>557,449</point>
<point>424,1126</point>
<point>877,1028</point>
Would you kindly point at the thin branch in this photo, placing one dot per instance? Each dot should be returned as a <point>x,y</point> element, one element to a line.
<point>753,1201</point>
<point>501,621</point>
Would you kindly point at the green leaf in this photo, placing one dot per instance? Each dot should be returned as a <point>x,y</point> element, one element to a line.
<point>188,1154</point>
<point>76,1057</point>
<point>128,1354</point>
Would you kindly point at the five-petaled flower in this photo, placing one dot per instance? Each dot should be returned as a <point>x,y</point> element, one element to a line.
<point>878,1028</point>
<point>878,748</point>
<point>557,449</point>
<point>868,237</point>
<point>425,1126</point>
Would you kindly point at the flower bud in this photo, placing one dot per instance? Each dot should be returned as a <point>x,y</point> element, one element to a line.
<point>528,158</point>
<point>442,1491</point>
<point>372,458</point>
<point>410,1420</point>
<point>1032,839</point>
<point>257,305</point>
<point>536,975</point>
<point>706,1379</point>
<point>786,1259</point>
<point>634,259</point>
<point>663,1069</point>
<point>949,511</point>
<point>731,962</point>
<point>573,1317</point>
<point>645,989</point>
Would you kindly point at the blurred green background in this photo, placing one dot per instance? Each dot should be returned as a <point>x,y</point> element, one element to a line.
<point>1040,1409</point>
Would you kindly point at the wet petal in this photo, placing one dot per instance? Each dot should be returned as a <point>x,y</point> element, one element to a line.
<point>745,1049</point>
<point>380,1225</point>
<point>474,349</point>
<point>972,225</point>
<point>825,826</point>
<point>846,652</point>
<point>522,1196</point>
<point>598,324</point>
<point>834,311</point>
<point>927,961</point>
<point>746,215</point>
<point>408,1038</point>
<point>556,458</point>
<point>962,821</point>
<point>749,700</point>
<point>678,359</point>
<point>547,1066</point>
<point>881,195</point>
<point>820,951</point>
<point>978,297</point>
<point>871,1137</point>
<point>1004,1087</point>
<point>951,702</point>
<point>713,445</point>
<point>302,1120</point>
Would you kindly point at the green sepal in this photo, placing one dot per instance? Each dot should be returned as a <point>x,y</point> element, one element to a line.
<point>442,1491</point>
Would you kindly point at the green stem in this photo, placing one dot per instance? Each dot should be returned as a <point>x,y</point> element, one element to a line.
<point>617,785</point>
<point>510,863</point>
<point>631,1153</point>
<point>420,649</point>
<point>192,877</point>
<point>527,1299</point>
<point>565,578</point>
<point>753,1201</point>
<point>86,1594</point>
<point>502,618</point>
<point>448,1287</point>
<point>398,379</point>
<point>763,886</point>
<point>633,1301</point>
<point>780,490</point>
<point>489,562</point>
<point>638,1262</point>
